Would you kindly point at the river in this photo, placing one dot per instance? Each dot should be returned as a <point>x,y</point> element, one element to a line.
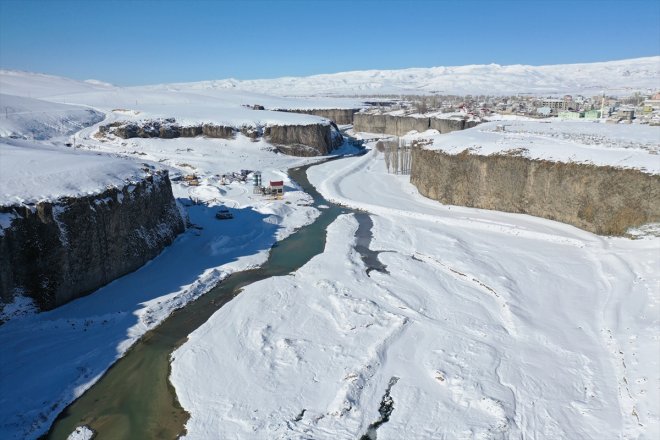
<point>134,399</point>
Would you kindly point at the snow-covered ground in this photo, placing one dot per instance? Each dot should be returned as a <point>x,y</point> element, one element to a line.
<point>81,433</point>
<point>32,171</point>
<point>618,145</point>
<point>37,119</point>
<point>488,325</point>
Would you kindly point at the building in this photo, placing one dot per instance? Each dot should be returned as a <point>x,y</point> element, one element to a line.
<point>626,113</point>
<point>592,114</point>
<point>544,111</point>
<point>276,187</point>
<point>553,103</point>
<point>571,115</point>
<point>650,105</point>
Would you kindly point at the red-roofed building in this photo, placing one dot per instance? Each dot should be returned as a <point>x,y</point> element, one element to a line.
<point>276,187</point>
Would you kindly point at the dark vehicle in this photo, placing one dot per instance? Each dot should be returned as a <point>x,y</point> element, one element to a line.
<point>223,214</point>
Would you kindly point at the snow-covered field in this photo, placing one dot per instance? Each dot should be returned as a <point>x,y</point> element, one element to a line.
<point>618,145</point>
<point>488,325</point>
<point>31,172</point>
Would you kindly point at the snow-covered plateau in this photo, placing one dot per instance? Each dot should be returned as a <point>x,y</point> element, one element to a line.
<point>484,325</point>
<point>617,145</point>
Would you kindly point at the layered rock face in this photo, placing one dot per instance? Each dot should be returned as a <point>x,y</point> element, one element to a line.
<point>400,125</point>
<point>341,116</point>
<point>304,140</point>
<point>604,200</point>
<point>56,252</point>
<point>165,129</point>
<point>295,140</point>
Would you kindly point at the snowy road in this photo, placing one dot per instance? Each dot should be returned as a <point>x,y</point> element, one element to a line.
<point>488,325</point>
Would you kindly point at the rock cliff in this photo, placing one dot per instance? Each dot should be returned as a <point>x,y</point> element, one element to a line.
<point>296,140</point>
<point>56,252</point>
<point>600,199</point>
<point>304,140</point>
<point>341,116</point>
<point>400,125</point>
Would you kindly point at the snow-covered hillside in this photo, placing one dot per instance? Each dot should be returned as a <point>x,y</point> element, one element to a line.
<point>614,77</point>
<point>39,85</point>
<point>188,106</point>
<point>38,119</point>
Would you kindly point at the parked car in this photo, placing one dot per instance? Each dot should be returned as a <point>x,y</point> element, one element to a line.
<point>223,213</point>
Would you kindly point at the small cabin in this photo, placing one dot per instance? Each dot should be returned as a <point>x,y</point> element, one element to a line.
<point>276,187</point>
<point>191,180</point>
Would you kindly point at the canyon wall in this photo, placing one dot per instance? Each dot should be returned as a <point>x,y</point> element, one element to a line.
<point>296,140</point>
<point>400,125</point>
<point>601,199</point>
<point>304,140</point>
<point>341,116</point>
<point>56,252</point>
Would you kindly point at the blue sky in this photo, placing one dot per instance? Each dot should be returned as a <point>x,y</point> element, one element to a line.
<point>144,42</point>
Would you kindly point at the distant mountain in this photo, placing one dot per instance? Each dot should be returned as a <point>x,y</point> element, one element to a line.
<point>613,77</point>
<point>622,77</point>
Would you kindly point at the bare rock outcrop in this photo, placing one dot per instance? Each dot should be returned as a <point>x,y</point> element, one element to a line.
<point>341,116</point>
<point>293,139</point>
<point>601,199</point>
<point>218,131</point>
<point>400,125</point>
<point>304,140</point>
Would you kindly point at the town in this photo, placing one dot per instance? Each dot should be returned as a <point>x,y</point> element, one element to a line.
<point>637,108</point>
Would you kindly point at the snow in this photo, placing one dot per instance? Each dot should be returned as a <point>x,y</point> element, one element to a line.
<point>613,77</point>
<point>81,433</point>
<point>36,119</point>
<point>618,145</point>
<point>78,341</point>
<point>32,172</point>
<point>39,85</point>
<point>223,107</point>
<point>20,306</point>
<point>496,325</point>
